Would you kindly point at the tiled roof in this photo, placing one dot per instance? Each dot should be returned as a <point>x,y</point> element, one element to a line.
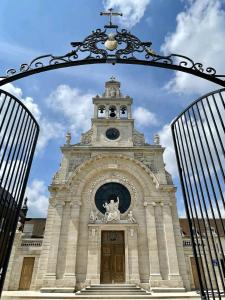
<point>213,223</point>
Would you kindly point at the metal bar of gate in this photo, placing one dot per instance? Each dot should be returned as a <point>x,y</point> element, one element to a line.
<point>199,141</point>
<point>18,137</point>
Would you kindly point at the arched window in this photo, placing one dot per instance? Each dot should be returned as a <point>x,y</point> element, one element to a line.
<point>112,112</point>
<point>123,112</point>
<point>101,111</point>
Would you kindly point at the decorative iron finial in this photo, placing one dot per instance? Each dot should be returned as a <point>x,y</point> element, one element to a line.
<point>110,13</point>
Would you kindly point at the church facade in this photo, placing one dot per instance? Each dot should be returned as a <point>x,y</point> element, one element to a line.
<point>112,215</point>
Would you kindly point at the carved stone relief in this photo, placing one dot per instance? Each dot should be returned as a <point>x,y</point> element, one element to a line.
<point>77,160</point>
<point>86,137</point>
<point>138,138</point>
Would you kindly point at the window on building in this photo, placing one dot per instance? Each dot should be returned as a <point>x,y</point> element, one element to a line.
<point>101,111</point>
<point>28,230</point>
<point>112,112</point>
<point>123,112</point>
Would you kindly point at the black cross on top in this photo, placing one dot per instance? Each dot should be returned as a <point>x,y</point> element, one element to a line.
<point>110,13</point>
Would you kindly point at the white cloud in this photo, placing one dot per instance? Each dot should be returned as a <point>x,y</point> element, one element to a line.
<point>48,130</point>
<point>144,117</point>
<point>75,106</point>
<point>36,193</point>
<point>133,10</point>
<point>200,35</point>
<point>169,154</point>
<point>9,175</point>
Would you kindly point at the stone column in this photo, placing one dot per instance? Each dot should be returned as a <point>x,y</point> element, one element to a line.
<point>50,277</point>
<point>94,248</point>
<point>155,274</point>
<point>174,273</point>
<point>133,256</point>
<point>71,253</point>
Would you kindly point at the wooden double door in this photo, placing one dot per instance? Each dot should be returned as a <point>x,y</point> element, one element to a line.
<point>112,257</point>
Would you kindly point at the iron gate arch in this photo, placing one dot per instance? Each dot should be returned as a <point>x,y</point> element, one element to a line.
<point>199,140</point>
<point>113,46</point>
<point>19,132</point>
<point>127,49</point>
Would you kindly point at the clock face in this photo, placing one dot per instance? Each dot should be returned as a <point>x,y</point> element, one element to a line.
<point>112,133</point>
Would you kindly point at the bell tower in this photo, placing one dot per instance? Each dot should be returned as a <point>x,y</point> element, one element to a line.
<point>112,123</point>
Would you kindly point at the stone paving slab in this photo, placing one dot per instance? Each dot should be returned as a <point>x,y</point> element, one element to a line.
<point>32,295</point>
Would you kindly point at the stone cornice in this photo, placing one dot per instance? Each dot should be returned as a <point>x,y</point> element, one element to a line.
<point>89,148</point>
<point>111,121</point>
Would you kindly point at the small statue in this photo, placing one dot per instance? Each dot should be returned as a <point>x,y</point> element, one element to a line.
<point>130,217</point>
<point>156,139</point>
<point>112,210</point>
<point>19,227</point>
<point>68,138</point>
<point>93,217</point>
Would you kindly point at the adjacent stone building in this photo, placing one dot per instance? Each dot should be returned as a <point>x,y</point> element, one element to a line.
<point>112,215</point>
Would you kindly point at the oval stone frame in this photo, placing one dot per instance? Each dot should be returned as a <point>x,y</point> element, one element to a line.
<point>112,190</point>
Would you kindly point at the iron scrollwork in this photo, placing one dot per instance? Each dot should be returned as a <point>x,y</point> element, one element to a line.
<point>110,45</point>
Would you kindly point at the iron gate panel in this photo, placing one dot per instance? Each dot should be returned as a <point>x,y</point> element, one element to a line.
<point>199,140</point>
<point>18,137</point>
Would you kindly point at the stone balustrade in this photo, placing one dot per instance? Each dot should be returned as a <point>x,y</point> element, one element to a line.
<point>31,243</point>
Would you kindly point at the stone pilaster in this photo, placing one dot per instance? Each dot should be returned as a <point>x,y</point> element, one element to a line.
<point>174,273</point>
<point>71,252</point>
<point>107,111</point>
<point>13,257</point>
<point>163,263</point>
<point>50,276</point>
<point>155,274</point>
<point>93,262</point>
<point>43,261</point>
<point>129,116</point>
<point>95,111</point>
<point>133,255</point>
<point>118,111</point>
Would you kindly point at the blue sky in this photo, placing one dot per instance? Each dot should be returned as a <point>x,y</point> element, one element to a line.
<point>61,100</point>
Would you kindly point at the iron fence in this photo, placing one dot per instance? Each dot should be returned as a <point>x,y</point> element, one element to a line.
<point>18,137</point>
<point>199,140</point>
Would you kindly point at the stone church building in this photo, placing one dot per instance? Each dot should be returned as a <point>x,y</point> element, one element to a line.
<point>112,215</point>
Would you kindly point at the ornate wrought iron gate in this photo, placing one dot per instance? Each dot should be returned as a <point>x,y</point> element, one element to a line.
<point>18,136</point>
<point>198,137</point>
<point>199,140</point>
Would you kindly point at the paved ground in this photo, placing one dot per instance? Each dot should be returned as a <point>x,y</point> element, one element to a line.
<point>25,295</point>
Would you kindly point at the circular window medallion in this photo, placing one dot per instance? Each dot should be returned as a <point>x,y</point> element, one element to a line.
<point>112,133</point>
<point>110,191</point>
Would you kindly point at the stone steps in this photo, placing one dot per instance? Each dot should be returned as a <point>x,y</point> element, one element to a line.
<point>125,291</point>
<point>113,291</point>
